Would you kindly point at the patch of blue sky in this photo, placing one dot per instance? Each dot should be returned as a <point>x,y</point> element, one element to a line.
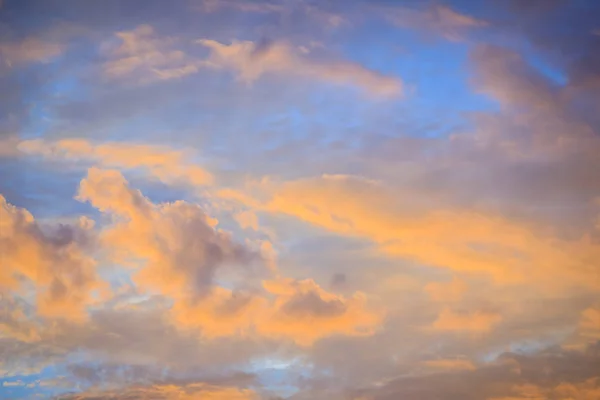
<point>437,84</point>
<point>42,99</point>
<point>46,191</point>
<point>555,75</point>
<point>528,346</point>
<point>37,385</point>
<point>278,374</point>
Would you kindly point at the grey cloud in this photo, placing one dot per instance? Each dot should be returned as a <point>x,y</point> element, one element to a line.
<point>311,304</point>
<point>547,369</point>
<point>338,279</point>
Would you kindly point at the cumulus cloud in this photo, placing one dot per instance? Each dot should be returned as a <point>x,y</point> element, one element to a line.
<point>250,61</point>
<point>180,251</point>
<point>306,312</point>
<point>296,311</point>
<point>55,259</point>
<point>178,242</point>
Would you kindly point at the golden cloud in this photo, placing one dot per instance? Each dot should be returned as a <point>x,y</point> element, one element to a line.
<point>57,263</point>
<point>166,164</point>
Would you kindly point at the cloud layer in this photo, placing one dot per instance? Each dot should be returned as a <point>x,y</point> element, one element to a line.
<point>299,200</point>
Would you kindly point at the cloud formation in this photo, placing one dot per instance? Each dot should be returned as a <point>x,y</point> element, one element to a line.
<point>195,204</point>
<point>143,56</point>
<point>178,242</point>
<point>251,60</point>
<point>166,164</point>
<point>56,260</point>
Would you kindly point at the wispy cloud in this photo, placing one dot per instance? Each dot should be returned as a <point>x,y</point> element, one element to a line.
<point>250,61</point>
<point>439,20</point>
<point>166,164</point>
<point>140,55</point>
<point>29,50</point>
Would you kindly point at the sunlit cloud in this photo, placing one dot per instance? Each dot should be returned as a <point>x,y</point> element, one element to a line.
<point>166,164</point>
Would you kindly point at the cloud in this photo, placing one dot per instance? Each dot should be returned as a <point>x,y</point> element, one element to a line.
<point>306,312</point>
<point>222,313</point>
<point>507,77</point>
<point>55,259</point>
<point>250,61</point>
<point>29,50</point>
<point>178,243</point>
<point>478,322</point>
<point>439,19</point>
<point>247,219</point>
<point>8,146</point>
<point>290,310</point>
<point>589,324</point>
<point>166,164</point>
<point>143,58</point>
<point>547,375</point>
<point>169,392</point>
<point>446,292</point>
<point>180,252</point>
<point>245,6</point>
<point>318,13</point>
<point>507,250</point>
<point>450,364</point>
<point>402,273</point>
<point>588,390</point>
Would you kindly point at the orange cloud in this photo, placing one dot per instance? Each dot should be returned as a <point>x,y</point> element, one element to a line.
<point>166,164</point>
<point>299,311</point>
<point>15,324</point>
<point>446,292</point>
<point>450,364</point>
<point>54,259</point>
<point>180,250</point>
<point>586,390</point>
<point>221,313</point>
<point>195,391</point>
<point>461,240</point>
<point>305,312</point>
<point>176,242</point>
<point>589,324</point>
<point>478,322</point>
<point>247,219</point>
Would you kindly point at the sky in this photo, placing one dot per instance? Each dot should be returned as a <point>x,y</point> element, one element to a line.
<point>300,200</point>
